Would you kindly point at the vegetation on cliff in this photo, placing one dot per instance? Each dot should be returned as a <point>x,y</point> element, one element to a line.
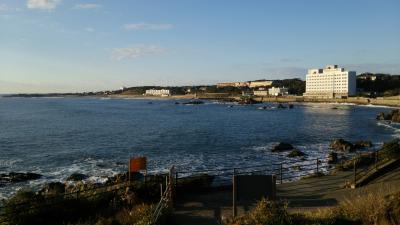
<point>58,203</point>
<point>366,209</point>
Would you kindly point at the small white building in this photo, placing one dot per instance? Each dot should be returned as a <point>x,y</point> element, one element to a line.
<point>158,92</point>
<point>260,92</point>
<point>278,91</point>
<point>331,82</point>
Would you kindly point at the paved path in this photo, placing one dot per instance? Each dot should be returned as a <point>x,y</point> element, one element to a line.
<point>306,194</point>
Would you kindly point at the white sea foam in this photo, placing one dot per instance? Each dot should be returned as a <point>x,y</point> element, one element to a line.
<point>395,127</point>
<point>9,163</point>
<point>379,106</point>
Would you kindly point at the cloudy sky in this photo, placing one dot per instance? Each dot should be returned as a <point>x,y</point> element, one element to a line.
<point>85,45</point>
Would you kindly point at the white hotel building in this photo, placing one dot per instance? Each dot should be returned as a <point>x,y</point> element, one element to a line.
<point>331,82</point>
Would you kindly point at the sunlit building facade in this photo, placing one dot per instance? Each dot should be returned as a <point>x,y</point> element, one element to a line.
<point>331,82</point>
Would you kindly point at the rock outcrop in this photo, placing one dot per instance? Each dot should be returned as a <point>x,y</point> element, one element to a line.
<point>77,177</point>
<point>396,116</point>
<point>248,101</point>
<point>332,158</point>
<point>282,146</point>
<point>362,144</point>
<point>296,153</point>
<point>281,106</point>
<point>393,116</point>
<point>341,145</point>
<point>53,188</point>
<point>193,102</point>
<point>13,177</point>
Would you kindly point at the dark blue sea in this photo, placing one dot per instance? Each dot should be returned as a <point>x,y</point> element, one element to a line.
<point>96,136</point>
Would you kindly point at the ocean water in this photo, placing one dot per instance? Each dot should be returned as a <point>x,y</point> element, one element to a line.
<point>96,136</point>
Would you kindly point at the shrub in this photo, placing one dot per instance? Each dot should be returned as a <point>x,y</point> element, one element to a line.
<point>265,213</point>
<point>391,149</point>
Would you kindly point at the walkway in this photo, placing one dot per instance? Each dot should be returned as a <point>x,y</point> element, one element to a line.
<point>306,194</point>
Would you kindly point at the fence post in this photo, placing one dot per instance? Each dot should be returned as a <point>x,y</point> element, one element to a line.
<point>354,172</point>
<point>280,173</point>
<point>234,190</point>
<point>166,182</point>
<point>176,179</point>
<point>317,165</point>
<point>161,189</point>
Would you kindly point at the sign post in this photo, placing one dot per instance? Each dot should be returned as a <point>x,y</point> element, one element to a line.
<point>234,191</point>
<point>136,165</point>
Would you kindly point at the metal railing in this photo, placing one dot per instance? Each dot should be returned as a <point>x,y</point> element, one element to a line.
<point>287,171</point>
<point>167,196</point>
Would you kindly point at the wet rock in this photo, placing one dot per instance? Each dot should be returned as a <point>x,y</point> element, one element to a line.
<point>296,153</point>
<point>77,177</point>
<point>282,146</point>
<point>362,144</point>
<point>281,106</point>
<point>341,145</point>
<point>332,158</point>
<point>193,102</point>
<point>248,101</point>
<point>381,116</point>
<point>13,177</point>
<point>396,116</point>
<point>53,188</point>
<point>393,116</point>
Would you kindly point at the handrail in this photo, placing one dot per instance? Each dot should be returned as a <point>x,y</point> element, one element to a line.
<point>166,197</point>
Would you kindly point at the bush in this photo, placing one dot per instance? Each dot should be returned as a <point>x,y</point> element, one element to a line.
<point>391,149</point>
<point>28,207</point>
<point>265,213</point>
<point>367,209</point>
<point>362,160</point>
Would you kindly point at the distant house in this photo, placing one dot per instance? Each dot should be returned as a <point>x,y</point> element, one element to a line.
<point>241,84</point>
<point>158,92</point>
<point>247,93</point>
<point>260,92</point>
<point>277,91</point>
<point>367,76</point>
<point>262,83</point>
<point>232,84</point>
<point>226,84</point>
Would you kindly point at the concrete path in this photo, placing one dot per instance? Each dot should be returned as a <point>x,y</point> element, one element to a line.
<point>306,194</point>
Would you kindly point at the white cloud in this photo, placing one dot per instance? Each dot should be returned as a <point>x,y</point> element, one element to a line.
<point>42,4</point>
<point>136,52</point>
<point>148,26</point>
<point>89,29</point>
<point>87,6</point>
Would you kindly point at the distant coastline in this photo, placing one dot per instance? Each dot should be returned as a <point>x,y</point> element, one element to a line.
<point>393,101</point>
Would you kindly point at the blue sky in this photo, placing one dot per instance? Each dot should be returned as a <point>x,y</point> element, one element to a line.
<point>85,45</point>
